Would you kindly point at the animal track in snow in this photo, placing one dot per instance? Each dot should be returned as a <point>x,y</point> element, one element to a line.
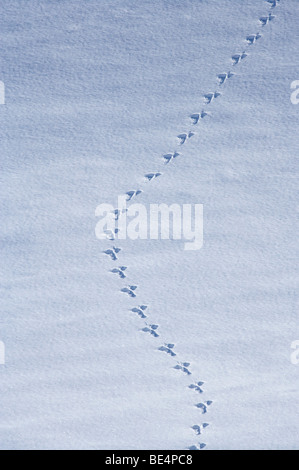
<point>120,271</point>
<point>140,310</point>
<point>273,3</point>
<point>119,212</point>
<point>152,176</point>
<point>204,406</point>
<point>197,387</point>
<point>151,329</point>
<point>184,137</point>
<point>132,194</point>
<point>209,97</point>
<point>183,366</point>
<point>113,252</point>
<point>130,290</point>
<point>222,77</point>
<point>168,348</point>
<point>201,447</point>
<point>110,234</point>
<point>197,116</point>
<point>170,156</point>
<point>252,38</point>
<point>238,57</point>
<point>264,20</point>
<point>199,429</point>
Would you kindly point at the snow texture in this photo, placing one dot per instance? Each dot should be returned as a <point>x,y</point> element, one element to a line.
<point>140,344</point>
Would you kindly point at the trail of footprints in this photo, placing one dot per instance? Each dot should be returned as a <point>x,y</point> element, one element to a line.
<point>114,252</point>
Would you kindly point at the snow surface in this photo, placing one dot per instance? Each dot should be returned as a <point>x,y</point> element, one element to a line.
<point>96,93</point>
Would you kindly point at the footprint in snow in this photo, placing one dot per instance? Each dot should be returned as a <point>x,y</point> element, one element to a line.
<point>183,137</point>
<point>151,329</point>
<point>252,38</point>
<point>199,429</point>
<point>152,176</point>
<point>132,194</point>
<point>197,387</point>
<point>183,366</point>
<point>113,253</point>
<point>273,3</point>
<point>222,77</point>
<point>170,156</point>
<point>140,310</point>
<point>238,57</point>
<point>111,234</point>
<point>120,271</point>
<point>209,97</point>
<point>201,447</point>
<point>204,406</point>
<point>168,348</point>
<point>264,20</point>
<point>197,116</point>
<point>130,290</point>
<point>119,212</point>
